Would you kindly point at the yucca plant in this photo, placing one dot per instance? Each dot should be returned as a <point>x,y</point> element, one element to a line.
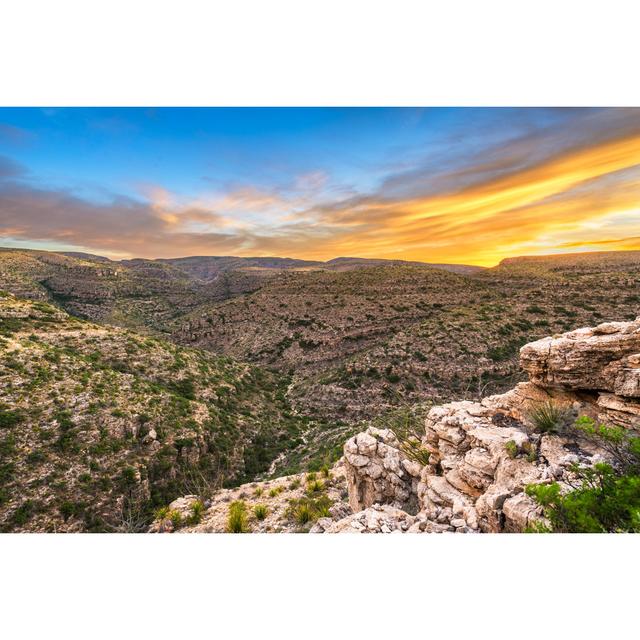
<point>307,510</point>
<point>197,511</point>
<point>303,513</point>
<point>547,416</point>
<point>260,511</point>
<point>315,487</point>
<point>237,518</point>
<point>176,518</point>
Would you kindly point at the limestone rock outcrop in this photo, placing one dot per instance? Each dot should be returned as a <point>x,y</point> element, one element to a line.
<point>484,454</point>
<point>376,519</point>
<point>378,472</point>
<point>603,358</point>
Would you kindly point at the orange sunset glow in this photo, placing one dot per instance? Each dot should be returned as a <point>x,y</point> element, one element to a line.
<point>440,185</point>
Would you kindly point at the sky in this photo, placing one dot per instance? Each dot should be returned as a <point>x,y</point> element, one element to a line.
<point>453,185</point>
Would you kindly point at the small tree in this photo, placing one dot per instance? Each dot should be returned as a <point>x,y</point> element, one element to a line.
<point>603,498</point>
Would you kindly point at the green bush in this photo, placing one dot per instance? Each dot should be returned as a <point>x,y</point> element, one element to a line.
<point>237,518</point>
<point>606,497</point>
<point>307,510</point>
<point>511,448</point>
<point>197,511</point>
<point>9,418</point>
<point>260,511</point>
<point>23,513</point>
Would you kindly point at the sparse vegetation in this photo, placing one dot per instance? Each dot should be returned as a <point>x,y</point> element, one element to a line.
<point>548,416</point>
<point>511,448</point>
<point>602,498</point>
<point>237,518</point>
<point>91,413</point>
<point>260,511</point>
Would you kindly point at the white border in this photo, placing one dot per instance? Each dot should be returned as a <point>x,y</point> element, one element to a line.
<point>351,52</point>
<point>312,52</point>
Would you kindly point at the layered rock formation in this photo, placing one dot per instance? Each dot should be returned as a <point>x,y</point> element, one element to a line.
<point>484,454</point>
<point>481,455</point>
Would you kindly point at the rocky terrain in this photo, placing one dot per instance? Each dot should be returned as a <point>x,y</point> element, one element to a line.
<point>355,335</point>
<point>127,384</point>
<point>469,468</point>
<point>99,425</point>
<point>395,335</point>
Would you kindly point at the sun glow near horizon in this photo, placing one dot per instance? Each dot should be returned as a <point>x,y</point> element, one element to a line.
<point>470,186</point>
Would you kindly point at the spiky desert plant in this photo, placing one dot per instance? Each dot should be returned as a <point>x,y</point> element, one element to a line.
<point>260,511</point>
<point>237,518</point>
<point>315,487</point>
<point>547,416</point>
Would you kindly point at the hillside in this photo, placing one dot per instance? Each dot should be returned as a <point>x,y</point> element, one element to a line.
<point>141,294</point>
<point>387,336</point>
<point>353,340</point>
<point>499,465</point>
<point>99,426</point>
<point>147,295</point>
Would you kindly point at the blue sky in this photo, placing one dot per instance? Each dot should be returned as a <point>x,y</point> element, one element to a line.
<point>308,182</point>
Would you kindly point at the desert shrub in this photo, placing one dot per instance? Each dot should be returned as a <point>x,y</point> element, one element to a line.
<point>315,487</point>
<point>307,510</point>
<point>237,518</point>
<point>547,416</point>
<point>310,477</point>
<point>260,511</point>
<point>23,513</point>
<point>511,448</point>
<point>9,418</point>
<point>185,388</point>
<point>258,491</point>
<point>275,491</point>
<point>325,471</point>
<point>604,498</point>
<point>407,425</point>
<point>176,518</point>
<point>197,511</point>
<point>69,509</point>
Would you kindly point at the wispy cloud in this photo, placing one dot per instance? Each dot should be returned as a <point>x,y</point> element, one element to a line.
<point>572,186</point>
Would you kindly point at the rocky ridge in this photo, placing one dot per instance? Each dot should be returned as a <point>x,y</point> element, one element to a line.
<point>482,455</point>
